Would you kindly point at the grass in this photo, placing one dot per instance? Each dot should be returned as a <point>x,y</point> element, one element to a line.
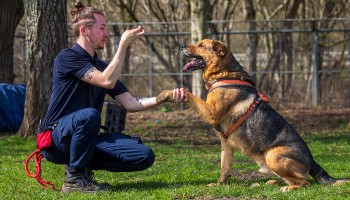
<point>181,171</point>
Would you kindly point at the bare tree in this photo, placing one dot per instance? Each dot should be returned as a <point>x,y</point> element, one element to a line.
<point>253,38</point>
<point>291,13</point>
<point>329,9</point>
<point>46,35</point>
<point>11,13</point>
<point>281,45</point>
<point>164,49</point>
<point>199,18</point>
<point>222,10</point>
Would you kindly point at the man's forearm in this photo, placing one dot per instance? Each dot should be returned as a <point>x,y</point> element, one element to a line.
<point>113,71</point>
<point>145,103</point>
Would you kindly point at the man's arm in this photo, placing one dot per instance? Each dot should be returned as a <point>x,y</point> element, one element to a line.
<point>135,104</point>
<point>111,74</point>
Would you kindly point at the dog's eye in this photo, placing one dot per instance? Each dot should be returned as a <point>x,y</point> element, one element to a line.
<point>200,46</point>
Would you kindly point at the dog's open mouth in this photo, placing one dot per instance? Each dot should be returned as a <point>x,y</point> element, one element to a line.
<point>195,64</point>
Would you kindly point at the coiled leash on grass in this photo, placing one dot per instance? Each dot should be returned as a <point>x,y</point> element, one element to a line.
<point>37,156</point>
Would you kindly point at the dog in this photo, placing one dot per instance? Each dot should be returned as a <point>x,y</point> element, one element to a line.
<point>245,121</point>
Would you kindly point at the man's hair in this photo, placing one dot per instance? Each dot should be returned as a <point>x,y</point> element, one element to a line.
<point>83,16</point>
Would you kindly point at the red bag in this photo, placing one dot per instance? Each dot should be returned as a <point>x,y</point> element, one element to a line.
<point>44,140</point>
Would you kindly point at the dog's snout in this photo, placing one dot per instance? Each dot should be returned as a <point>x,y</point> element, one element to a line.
<point>183,46</point>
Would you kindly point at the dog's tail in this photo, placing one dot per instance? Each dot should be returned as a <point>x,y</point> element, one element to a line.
<point>321,176</point>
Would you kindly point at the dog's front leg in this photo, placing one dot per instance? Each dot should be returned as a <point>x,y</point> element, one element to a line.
<point>209,111</point>
<point>226,160</point>
<point>227,153</point>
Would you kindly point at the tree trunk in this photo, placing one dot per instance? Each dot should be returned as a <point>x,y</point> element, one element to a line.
<point>253,38</point>
<point>11,14</point>
<point>325,90</point>
<point>288,42</point>
<point>46,35</point>
<point>199,17</point>
<point>281,46</point>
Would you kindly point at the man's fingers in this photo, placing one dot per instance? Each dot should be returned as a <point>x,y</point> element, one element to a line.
<point>184,95</point>
<point>179,95</point>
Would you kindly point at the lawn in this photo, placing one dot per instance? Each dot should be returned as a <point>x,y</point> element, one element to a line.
<point>181,171</point>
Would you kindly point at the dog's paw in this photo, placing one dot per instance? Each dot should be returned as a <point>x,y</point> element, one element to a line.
<point>217,183</point>
<point>212,184</point>
<point>272,182</point>
<point>165,95</point>
<point>255,185</point>
<point>289,188</point>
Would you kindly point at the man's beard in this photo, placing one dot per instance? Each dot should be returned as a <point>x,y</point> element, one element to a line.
<point>101,46</point>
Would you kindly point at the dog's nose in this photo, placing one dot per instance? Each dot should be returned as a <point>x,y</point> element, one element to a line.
<point>182,46</point>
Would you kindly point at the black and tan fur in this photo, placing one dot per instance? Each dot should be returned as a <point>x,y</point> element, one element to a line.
<point>265,136</point>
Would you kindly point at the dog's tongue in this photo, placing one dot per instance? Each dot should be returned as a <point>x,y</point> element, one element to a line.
<point>191,65</point>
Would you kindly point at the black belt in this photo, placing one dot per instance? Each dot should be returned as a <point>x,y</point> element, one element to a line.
<point>47,128</point>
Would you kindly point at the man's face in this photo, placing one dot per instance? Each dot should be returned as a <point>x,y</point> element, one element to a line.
<point>98,33</point>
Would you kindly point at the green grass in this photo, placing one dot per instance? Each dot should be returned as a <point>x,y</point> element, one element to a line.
<point>181,171</point>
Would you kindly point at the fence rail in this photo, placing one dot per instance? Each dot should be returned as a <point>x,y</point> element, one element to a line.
<point>313,71</point>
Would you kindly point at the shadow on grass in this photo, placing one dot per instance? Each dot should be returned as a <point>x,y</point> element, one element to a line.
<point>154,185</point>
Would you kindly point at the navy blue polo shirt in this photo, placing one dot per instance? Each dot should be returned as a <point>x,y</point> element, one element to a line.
<point>69,93</point>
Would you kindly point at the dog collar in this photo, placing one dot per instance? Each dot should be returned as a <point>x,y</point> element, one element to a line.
<point>228,82</point>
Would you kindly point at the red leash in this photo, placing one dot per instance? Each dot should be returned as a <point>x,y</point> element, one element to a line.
<point>37,156</point>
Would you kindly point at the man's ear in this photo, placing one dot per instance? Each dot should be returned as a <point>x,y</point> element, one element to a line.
<point>83,30</point>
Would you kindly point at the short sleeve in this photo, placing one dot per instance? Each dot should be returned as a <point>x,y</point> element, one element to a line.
<point>118,89</point>
<point>70,62</point>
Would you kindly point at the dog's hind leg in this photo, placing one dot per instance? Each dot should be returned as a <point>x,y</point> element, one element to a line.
<point>293,172</point>
<point>264,169</point>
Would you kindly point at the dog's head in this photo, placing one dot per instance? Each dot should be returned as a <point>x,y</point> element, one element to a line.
<point>214,58</point>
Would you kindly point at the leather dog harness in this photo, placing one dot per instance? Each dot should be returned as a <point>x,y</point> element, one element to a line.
<point>239,121</point>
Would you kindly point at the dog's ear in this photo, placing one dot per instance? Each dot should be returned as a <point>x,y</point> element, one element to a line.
<point>219,48</point>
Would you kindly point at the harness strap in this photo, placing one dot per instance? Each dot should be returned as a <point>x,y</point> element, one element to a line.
<point>240,120</point>
<point>37,156</point>
<point>257,101</point>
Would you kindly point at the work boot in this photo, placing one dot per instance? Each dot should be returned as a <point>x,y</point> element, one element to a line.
<point>80,182</point>
<point>91,177</point>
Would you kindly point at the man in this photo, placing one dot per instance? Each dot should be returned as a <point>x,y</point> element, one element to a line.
<point>80,82</point>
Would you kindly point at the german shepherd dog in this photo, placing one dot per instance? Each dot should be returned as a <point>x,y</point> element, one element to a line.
<point>245,121</point>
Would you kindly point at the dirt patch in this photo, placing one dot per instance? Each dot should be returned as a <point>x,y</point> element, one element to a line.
<point>185,125</point>
<point>317,121</point>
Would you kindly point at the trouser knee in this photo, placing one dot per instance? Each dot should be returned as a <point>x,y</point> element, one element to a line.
<point>90,118</point>
<point>148,159</point>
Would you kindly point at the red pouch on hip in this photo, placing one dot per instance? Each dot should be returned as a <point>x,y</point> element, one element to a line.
<point>44,140</point>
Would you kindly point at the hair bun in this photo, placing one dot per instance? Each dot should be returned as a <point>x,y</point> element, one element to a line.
<point>79,6</point>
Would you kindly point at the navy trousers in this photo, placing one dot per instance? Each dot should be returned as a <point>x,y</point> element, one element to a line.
<point>76,143</point>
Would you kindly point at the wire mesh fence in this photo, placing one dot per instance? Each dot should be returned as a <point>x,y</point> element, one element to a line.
<point>297,63</point>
